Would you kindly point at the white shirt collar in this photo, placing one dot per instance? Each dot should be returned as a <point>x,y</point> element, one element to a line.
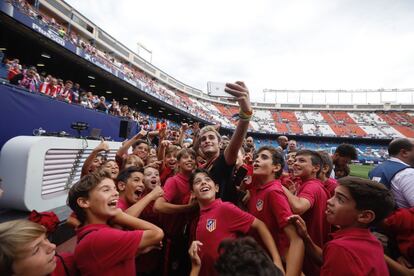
<point>395,159</point>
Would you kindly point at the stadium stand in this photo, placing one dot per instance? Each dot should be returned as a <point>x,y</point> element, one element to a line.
<point>339,123</point>
<point>263,121</point>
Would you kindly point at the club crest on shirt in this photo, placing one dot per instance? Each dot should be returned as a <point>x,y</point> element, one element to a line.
<point>259,205</point>
<point>211,225</point>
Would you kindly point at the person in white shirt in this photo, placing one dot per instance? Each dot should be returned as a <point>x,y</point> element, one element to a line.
<point>397,173</point>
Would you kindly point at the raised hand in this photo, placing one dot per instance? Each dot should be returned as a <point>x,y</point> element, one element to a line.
<point>241,93</point>
<point>195,126</point>
<point>162,132</point>
<point>165,143</point>
<point>300,225</point>
<point>193,252</point>
<point>184,126</point>
<point>140,134</point>
<point>157,192</point>
<point>103,146</point>
<point>248,159</point>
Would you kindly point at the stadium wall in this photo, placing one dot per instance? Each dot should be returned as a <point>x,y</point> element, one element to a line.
<point>22,112</point>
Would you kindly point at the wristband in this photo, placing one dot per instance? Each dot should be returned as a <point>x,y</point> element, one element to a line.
<point>245,116</point>
<point>247,113</point>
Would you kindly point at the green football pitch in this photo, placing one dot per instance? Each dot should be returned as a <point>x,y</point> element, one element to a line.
<point>360,170</point>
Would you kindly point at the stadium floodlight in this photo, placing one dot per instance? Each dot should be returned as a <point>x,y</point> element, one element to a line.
<point>45,55</point>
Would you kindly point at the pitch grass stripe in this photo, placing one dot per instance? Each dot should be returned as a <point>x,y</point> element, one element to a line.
<point>360,170</point>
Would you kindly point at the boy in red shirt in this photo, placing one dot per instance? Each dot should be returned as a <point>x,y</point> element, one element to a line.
<point>151,178</point>
<point>177,193</point>
<point>177,211</point>
<point>357,204</point>
<point>310,200</point>
<point>269,204</point>
<point>400,224</point>
<point>326,171</point>
<point>221,220</point>
<point>168,154</point>
<point>140,148</point>
<point>132,195</point>
<point>136,201</point>
<point>101,249</point>
<point>288,180</point>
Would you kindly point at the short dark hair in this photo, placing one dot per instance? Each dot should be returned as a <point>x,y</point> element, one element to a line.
<point>103,155</point>
<point>326,160</point>
<point>277,158</point>
<point>344,169</point>
<point>369,195</point>
<point>197,171</point>
<point>347,150</point>
<point>82,189</point>
<point>126,173</point>
<point>248,149</point>
<point>140,141</point>
<point>399,144</point>
<point>315,158</point>
<point>244,257</point>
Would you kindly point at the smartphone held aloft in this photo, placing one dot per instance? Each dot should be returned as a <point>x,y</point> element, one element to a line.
<point>216,89</point>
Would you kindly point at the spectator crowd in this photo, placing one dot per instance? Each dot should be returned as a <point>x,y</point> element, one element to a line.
<point>149,84</point>
<point>65,90</point>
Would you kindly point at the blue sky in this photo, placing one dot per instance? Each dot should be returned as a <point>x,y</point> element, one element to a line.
<point>347,44</point>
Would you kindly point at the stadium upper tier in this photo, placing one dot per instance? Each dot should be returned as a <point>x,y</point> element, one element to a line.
<point>62,24</point>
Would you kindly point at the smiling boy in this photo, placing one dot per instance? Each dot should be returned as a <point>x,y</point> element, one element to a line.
<point>357,204</point>
<point>222,220</point>
<point>101,249</point>
<point>177,211</point>
<point>133,198</point>
<point>151,178</point>
<point>310,200</point>
<point>137,201</point>
<point>269,204</point>
<point>221,164</point>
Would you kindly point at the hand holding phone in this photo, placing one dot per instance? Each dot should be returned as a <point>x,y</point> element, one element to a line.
<point>217,89</point>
